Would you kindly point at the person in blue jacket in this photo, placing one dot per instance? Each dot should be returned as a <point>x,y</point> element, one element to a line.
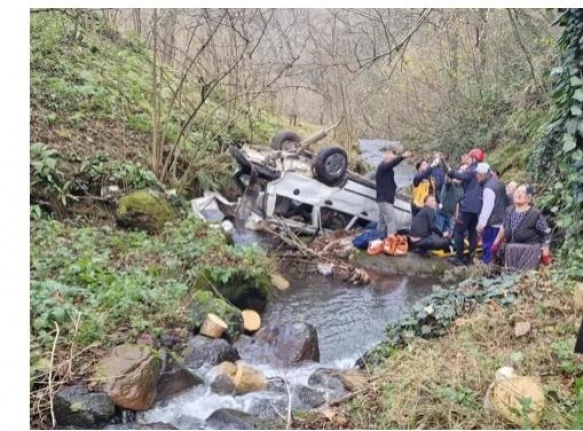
<point>469,209</point>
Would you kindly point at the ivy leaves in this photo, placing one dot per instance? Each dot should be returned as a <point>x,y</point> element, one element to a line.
<point>560,154</point>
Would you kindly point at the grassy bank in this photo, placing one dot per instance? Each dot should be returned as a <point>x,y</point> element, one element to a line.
<point>92,288</point>
<point>91,94</point>
<point>440,383</point>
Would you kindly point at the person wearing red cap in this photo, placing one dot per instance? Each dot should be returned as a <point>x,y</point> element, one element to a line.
<point>469,209</point>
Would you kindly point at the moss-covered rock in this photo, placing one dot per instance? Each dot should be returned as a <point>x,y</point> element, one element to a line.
<point>145,210</point>
<point>204,302</point>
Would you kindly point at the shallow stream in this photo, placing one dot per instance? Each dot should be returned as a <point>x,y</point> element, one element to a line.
<point>349,320</point>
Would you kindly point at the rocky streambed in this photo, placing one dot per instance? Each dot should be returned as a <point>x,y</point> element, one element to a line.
<point>302,358</point>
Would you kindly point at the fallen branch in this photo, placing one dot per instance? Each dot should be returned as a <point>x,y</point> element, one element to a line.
<point>51,366</point>
<point>348,273</point>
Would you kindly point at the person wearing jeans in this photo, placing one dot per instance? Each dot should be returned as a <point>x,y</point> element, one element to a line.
<point>469,209</point>
<point>387,189</point>
<point>494,203</point>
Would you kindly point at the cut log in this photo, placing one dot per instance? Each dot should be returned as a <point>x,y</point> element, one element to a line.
<point>213,326</point>
<point>279,281</point>
<point>251,320</point>
<point>248,379</point>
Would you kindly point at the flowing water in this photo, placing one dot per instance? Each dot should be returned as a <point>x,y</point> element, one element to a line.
<point>348,319</point>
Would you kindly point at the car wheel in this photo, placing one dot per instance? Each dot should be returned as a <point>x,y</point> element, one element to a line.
<point>331,165</point>
<point>285,140</point>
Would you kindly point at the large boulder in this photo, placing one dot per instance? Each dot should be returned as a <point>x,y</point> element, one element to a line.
<point>174,378</point>
<point>201,350</point>
<point>204,303</point>
<point>145,210</point>
<point>229,419</point>
<point>128,374</point>
<point>281,344</point>
<point>75,406</point>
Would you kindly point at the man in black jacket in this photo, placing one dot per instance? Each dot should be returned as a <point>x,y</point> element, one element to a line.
<point>424,233</point>
<point>387,189</point>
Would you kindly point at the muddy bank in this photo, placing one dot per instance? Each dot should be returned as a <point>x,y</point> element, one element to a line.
<point>411,264</point>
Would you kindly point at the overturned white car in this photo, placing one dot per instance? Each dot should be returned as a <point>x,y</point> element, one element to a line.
<point>309,193</point>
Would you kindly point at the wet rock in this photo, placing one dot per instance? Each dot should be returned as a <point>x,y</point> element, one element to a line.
<point>185,422</point>
<point>327,378</point>
<point>144,210</point>
<point>204,303</point>
<point>229,419</point>
<point>174,378</point>
<point>128,374</point>
<point>222,385</point>
<point>202,350</point>
<point>281,344</point>
<point>330,382</point>
<point>276,384</point>
<point>137,426</point>
<point>306,398</point>
<point>77,407</point>
<point>269,409</point>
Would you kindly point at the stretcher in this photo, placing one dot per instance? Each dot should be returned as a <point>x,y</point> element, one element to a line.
<point>442,253</point>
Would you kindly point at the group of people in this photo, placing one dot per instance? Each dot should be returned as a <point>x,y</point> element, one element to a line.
<point>467,201</point>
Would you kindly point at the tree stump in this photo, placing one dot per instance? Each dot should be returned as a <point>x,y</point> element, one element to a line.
<point>251,320</point>
<point>213,326</point>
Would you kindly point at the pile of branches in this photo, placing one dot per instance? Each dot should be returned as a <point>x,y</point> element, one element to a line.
<point>328,250</point>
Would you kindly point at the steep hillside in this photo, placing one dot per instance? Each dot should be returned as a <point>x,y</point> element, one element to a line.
<point>91,103</point>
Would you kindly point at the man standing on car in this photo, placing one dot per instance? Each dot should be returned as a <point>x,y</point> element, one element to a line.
<point>387,189</point>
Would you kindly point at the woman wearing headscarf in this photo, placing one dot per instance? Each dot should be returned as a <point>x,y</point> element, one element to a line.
<point>526,233</point>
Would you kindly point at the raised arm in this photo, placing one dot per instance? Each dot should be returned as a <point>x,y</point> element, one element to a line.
<point>422,176</point>
<point>462,176</point>
<point>385,166</point>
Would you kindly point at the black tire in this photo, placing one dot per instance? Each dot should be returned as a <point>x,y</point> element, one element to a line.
<point>331,165</point>
<point>285,140</point>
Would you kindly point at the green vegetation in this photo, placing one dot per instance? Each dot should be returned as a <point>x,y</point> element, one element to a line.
<point>91,96</point>
<point>558,161</point>
<point>99,284</point>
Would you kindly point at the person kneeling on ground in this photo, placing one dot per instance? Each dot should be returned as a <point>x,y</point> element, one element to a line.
<point>526,233</point>
<point>424,234</point>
